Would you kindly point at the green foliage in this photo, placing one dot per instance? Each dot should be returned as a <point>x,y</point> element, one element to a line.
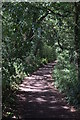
<point>49,52</point>
<point>66,79</point>
<point>12,74</point>
<point>44,61</point>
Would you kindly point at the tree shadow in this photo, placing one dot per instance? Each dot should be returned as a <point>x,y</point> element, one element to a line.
<point>45,104</point>
<point>37,98</point>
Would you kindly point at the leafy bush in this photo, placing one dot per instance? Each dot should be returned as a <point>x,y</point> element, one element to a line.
<point>65,76</point>
<point>44,61</point>
<point>49,52</point>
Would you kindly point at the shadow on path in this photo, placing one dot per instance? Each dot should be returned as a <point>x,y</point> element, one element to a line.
<point>38,98</point>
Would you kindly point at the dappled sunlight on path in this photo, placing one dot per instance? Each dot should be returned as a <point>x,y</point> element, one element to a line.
<point>38,98</point>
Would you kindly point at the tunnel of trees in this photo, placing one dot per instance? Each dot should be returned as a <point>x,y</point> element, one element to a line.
<point>35,34</point>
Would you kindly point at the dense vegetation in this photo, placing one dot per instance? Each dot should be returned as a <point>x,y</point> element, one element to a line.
<point>67,71</point>
<point>35,34</point>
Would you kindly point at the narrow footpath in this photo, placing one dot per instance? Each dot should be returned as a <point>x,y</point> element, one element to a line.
<point>38,98</point>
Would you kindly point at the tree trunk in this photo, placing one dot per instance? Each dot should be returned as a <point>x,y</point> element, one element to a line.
<point>77,40</point>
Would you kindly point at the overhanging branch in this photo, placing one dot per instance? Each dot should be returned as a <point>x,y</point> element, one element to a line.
<point>42,18</point>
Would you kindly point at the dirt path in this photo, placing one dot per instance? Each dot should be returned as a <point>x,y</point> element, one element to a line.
<point>38,98</point>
